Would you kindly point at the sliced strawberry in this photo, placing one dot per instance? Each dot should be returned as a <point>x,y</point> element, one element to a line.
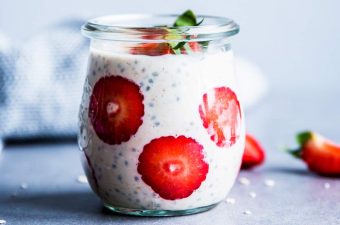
<point>254,154</point>
<point>320,154</point>
<point>194,47</point>
<point>151,49</point>
<point>221,115</point>
<point>116,109</point>
<point>173,167</point>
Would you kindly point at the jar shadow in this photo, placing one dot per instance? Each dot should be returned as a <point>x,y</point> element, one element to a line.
<point>66,206</point>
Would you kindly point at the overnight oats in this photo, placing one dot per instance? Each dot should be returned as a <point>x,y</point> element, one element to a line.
<point>161,125</point>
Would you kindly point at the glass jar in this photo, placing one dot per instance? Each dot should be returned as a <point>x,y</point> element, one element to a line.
<point>161,126</point>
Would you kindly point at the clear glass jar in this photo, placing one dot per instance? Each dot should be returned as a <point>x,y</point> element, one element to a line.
<point>161,126</point>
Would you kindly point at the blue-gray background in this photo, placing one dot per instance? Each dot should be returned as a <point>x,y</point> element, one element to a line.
<point>296,43</point>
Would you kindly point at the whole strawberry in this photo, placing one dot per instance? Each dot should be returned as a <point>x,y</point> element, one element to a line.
<point>321,155</point>
<point>254,154</point>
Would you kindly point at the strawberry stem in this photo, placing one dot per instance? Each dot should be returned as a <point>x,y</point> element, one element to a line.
<point>295,152</point>
<point>301,139</point>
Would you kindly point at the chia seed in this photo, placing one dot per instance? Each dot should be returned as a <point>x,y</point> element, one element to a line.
<point>126,163</point>
<point>150,81</point>
<point>147,88</point>
<point>155,74</point>
<point>151,104</point>
<point>157,124</point>
<point>136,178</point>
<point>119,177</point>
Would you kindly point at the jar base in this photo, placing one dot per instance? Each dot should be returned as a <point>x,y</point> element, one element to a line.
<point>147,212</point>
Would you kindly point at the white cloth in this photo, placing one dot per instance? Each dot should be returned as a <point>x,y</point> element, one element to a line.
<point>41,83</point>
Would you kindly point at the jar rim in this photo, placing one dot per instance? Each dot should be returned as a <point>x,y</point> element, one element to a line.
<point>136,27</point>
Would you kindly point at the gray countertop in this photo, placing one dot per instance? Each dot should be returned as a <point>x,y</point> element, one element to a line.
<point>38,183</point>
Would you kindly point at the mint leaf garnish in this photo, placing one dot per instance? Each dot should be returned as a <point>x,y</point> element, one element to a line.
<point>179,45</point>
<point>199,23</point>
<point>188,18</point>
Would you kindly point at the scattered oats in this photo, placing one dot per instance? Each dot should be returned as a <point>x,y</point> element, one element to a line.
<point>327,186</point>
<point>247,212</point>
<point>269,183</point>
<point>24,186</point>
<point>244,181</point>
<point>230,201</point>
<point>252,194</point>
<point>82,179</point>
<point>2,221</point>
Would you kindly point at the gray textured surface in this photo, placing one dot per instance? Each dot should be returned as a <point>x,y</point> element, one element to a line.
<point>54,196</point>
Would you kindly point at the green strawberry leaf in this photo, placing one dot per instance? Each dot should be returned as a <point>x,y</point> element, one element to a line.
<point>303,137</point>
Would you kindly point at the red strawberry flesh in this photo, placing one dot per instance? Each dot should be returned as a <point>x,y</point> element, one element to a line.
<point>173,167</point>
<point>151,49</point>
<point>221,116</point>
<point>116,109</point>
<point>254,154</point>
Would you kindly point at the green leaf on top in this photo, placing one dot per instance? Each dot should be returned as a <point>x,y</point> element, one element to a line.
<point>188,18</point>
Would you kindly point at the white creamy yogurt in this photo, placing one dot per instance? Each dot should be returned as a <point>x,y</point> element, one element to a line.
<point>172,86</point>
